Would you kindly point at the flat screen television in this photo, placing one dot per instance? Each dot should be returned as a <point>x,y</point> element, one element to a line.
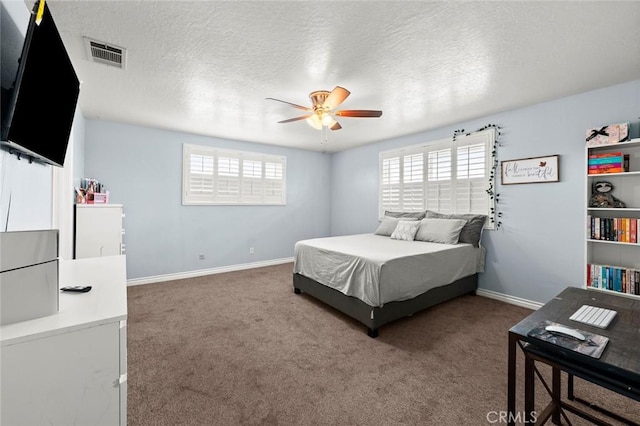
<point>39,101</point>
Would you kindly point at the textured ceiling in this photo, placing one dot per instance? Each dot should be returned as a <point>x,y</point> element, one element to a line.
<point>207,67</point>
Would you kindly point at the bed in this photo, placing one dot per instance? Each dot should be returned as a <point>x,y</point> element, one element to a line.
<point>376,279</point>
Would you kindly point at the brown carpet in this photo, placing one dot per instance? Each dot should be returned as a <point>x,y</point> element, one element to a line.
<point>242,348</point>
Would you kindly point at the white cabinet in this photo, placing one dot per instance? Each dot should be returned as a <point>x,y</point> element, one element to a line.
<point>98,230</point>
<point>70,367</point>
<point>612,251</point>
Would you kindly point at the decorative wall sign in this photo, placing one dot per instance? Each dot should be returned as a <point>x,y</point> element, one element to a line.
<point>530,170</point>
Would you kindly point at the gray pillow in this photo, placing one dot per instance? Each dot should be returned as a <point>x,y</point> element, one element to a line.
<point>405,215</point>
<point>388,225</point>
<point>471,232</point>
<point>445,231</point>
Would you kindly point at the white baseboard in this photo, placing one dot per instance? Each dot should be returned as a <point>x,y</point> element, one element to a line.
<point>509,299</point>
<point>202,272</point>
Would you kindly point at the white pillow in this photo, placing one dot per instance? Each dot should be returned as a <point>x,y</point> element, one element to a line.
<point>446,231</point>
<point>405,230</point>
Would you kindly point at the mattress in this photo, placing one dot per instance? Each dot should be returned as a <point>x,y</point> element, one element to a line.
<point>377,269</point>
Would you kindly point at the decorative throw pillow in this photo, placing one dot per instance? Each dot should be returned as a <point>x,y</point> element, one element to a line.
<point>445,231</point>
<point>471,232</point>
<point>388,225</point>
<point>405,230</point>
<point>405,215</point>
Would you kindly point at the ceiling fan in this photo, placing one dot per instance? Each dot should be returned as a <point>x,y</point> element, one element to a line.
<point>322,115</point>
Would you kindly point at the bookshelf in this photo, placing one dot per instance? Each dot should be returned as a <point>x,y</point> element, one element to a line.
<point>613,233</point>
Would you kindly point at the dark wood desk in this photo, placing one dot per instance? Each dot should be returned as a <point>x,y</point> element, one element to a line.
<point>618,369</point>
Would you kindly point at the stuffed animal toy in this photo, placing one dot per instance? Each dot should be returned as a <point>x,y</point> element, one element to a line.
<point>601,196</point>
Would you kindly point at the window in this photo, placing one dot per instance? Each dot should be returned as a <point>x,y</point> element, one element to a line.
<point>444,176</point>
<point>217,176</point>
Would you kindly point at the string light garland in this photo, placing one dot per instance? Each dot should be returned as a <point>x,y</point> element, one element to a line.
<point>495,215</point>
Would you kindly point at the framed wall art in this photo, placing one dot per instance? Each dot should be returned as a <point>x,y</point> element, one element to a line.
<point>530,170</point>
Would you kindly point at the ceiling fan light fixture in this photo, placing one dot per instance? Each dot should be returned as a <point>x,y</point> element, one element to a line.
<point>322,115</point>
<point>327,119</point>
<point>315,122</point>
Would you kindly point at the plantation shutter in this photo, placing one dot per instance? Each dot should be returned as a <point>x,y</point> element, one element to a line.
<point>390,184</point>
<point>446,176</point>
<point>199,183</point>
<point>274,178</point>
<point>471,182</point>
<point>252,182</point>
<point>228,179</point>
<point>214,176</point>
<point>412,182</point>
<point>439,187</point>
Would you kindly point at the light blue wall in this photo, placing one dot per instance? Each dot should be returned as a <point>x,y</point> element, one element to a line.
<point>142,168</point>
<point>540,248</point>
<point>77,137</point>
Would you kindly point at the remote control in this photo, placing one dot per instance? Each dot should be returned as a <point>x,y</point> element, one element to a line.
<point>77,288</point>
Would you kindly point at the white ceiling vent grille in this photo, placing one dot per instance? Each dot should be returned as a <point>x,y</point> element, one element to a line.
<point>104,53</point>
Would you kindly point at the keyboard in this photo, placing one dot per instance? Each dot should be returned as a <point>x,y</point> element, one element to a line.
<point>591,315</point>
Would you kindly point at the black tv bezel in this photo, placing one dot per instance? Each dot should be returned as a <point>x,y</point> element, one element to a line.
<point>14,147</point>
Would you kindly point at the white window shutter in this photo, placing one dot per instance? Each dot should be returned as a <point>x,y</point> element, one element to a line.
<point>390,184</point>
<point>228,179</point>
<point>252,181</point>
<point>471,185</point>
<point>447,176</point>
<point>215,176</point>
<point>439,186</point>
<point>412,182</point>
<point>274,182</point>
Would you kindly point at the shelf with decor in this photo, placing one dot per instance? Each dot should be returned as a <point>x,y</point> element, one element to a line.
<point>612,217</point>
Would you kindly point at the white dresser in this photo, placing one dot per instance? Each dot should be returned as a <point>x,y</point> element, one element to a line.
<point>70,367</point>
<point>98,230</point>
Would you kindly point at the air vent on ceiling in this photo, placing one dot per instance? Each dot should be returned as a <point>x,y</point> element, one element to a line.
<point>104,53</point>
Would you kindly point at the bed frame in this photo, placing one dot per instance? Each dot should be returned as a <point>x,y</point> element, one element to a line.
<point>374,317</point>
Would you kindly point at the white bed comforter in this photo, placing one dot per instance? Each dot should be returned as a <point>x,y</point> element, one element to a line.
<point>377,269</point>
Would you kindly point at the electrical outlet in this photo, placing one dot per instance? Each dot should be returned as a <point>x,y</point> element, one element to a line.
<point>201,257</point>
<point>251,250</point>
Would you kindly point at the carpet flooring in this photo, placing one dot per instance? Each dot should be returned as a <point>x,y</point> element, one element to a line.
<point>242,348</point>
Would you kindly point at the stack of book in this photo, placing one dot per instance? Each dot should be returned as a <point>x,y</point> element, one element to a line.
<point>623,280</point>
<point>610,162</point>
<point>620,229</point>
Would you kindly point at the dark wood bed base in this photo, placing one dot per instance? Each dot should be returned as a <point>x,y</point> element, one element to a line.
<point>374,317</point>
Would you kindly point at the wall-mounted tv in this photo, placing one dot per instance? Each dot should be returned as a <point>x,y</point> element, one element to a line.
<point>39,100</point>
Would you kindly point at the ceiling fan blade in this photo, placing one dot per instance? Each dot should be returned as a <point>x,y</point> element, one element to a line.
<point>302,117</point>
<point>336,126</point>
<point>336,97</point>
<point>358,113</point>
<point>289,103</point>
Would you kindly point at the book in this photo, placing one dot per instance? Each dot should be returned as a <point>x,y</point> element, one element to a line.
<point>593,345</point>
<point>605,155</point>
<point>627,230</point>
<point>633,226</point>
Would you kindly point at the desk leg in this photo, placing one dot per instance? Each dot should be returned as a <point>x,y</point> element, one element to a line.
<point>529,389</point>
<point>570,395</point>
<point>556,396</point>
<point>511,380</point>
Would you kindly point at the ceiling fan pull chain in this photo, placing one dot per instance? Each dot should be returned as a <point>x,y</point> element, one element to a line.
<point>324,135</point>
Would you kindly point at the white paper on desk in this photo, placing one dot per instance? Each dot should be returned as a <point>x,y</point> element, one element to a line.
<point>593,345</point>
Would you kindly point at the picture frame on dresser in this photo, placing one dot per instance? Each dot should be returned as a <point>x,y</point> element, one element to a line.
<point>612,248</point>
